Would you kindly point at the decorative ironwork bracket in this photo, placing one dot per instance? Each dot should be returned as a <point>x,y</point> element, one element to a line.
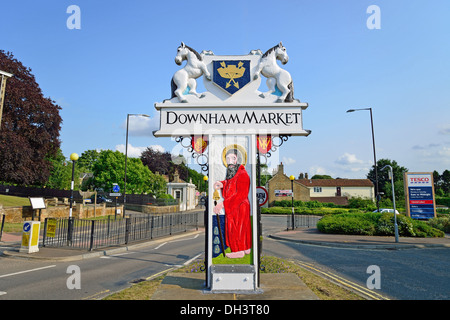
<point>275,145</point>
<point>201,158</point>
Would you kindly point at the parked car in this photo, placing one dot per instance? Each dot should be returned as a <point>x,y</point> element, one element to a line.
<point>100,199</point>
<point>387,210</point>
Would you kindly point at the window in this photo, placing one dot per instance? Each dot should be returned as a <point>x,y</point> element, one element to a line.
<point>317,189</point>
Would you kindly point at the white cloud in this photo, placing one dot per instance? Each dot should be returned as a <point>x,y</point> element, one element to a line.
<point>288,161</point>
<point>317,170</point>
<point>141,126</point>
<point>444,130</point>
<point>348,159</point>
<point>135,152</point>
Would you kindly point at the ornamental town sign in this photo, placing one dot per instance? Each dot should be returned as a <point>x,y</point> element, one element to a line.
<point>232,84</point>
<point>228,128</point>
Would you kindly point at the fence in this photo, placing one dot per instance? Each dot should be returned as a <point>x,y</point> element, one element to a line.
<point>93,234</point>
<point>302,221</point>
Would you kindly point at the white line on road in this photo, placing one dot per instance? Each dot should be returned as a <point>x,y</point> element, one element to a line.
<point>156,248</point>
<point>2,293</point>
<point>116,255</point>
<point>20,272</point>
<point>190,260</point>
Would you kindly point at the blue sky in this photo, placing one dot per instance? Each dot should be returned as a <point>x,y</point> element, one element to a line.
<point>122,59</point>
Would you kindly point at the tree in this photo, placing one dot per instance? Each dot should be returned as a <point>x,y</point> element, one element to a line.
<point>445,178</point>
<point>321,176</point>
<point>110,168</point>
<point>61,173</point>
<point>87,159</point>
<point>156,161</point>
<point>29,134</point>
<point>384,183</point>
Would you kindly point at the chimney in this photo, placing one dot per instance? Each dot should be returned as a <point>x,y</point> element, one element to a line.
<point>280,168</point>
<point>306,175</point>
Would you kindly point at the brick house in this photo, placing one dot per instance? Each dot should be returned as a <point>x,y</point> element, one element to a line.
<point>280,182</point>
<point>336,191</point>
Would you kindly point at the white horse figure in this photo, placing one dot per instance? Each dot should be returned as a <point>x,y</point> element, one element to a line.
<point>276,76</point>
<point>184,78</point>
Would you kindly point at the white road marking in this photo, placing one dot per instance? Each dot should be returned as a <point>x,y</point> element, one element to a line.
<point>25,271</point>
<point>190,260</point>
<point>156,248</point>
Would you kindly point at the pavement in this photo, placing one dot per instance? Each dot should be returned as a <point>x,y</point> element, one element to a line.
<point>190,286</point>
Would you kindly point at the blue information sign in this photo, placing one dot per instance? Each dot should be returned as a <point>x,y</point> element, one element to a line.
<point>420,195</point>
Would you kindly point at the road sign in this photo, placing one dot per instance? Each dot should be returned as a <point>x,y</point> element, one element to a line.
<point>116,188</point>
<point>115,194</point>
<point>30,237</point>
<point>262,196</point>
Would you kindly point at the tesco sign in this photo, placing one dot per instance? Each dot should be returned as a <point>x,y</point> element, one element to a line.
<point>419,192</point>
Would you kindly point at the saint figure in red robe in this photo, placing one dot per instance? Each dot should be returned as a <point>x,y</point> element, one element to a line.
<point>235,190</point>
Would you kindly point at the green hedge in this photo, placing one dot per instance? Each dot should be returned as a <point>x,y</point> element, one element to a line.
<point>379,224</point>
<point>307,211</point>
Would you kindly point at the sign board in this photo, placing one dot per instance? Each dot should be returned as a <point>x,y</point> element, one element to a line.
<point>51,228</point>
<point>115,194</point>
<point>261,196</point>
<point>30,237</point>
<point>37,203</point>
<point>116,188</point>
<point>223,124</point>
<point>283,193</point>
<point>275,119</point>
<point>419,195</point>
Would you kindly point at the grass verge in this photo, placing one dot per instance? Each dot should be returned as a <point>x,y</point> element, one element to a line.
<point>323,288</point>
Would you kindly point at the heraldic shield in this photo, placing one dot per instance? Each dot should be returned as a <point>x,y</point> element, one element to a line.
<point>231,75</point>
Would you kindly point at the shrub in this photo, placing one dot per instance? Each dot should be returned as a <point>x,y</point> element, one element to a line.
<point>424,229</point>
<point>346,224</point>
<point>386,225</point>
<point>440,223</point>
<point>376,224</point>
<point>358,202</point>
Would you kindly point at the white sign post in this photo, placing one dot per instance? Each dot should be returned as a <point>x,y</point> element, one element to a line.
<point>223,125</point>
<point>30,237</point>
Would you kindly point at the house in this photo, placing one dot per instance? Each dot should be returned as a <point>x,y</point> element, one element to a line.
<point>183,191</point>
<point>336,191</point>
<point>280,186</point>
<point>339,190</point>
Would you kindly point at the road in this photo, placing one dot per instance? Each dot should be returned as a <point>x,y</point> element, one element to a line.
<point>99,277</point>
<point>410,274</point>
<point>404,274</point>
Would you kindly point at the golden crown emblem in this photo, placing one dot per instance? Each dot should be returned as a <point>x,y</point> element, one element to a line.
<point>231,72</point>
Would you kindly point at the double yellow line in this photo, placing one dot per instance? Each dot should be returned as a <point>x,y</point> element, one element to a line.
<point>343,282</point>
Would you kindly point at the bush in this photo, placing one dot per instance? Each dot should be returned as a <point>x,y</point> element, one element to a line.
<point>361,203</point>
<point>386,225</point>
<point>346,224</point>
<point>441,223</point>
<point>376,224</point>
<point>424,229</point>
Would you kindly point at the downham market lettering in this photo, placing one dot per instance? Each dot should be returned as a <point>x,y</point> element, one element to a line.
<point>276,118</point>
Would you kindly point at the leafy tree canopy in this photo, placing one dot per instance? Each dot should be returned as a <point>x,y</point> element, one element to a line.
<point>29,133</point>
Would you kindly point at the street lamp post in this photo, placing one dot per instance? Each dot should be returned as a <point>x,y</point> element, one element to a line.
<point>3,75</point>
<point>126,158</point>
<point>391,176</point>
<point>74,158</point>
<point>374,155</point>
<point>292,190</point>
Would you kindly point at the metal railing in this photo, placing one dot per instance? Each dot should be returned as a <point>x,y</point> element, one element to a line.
<point>93,234</point>
<point>302,221</point>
